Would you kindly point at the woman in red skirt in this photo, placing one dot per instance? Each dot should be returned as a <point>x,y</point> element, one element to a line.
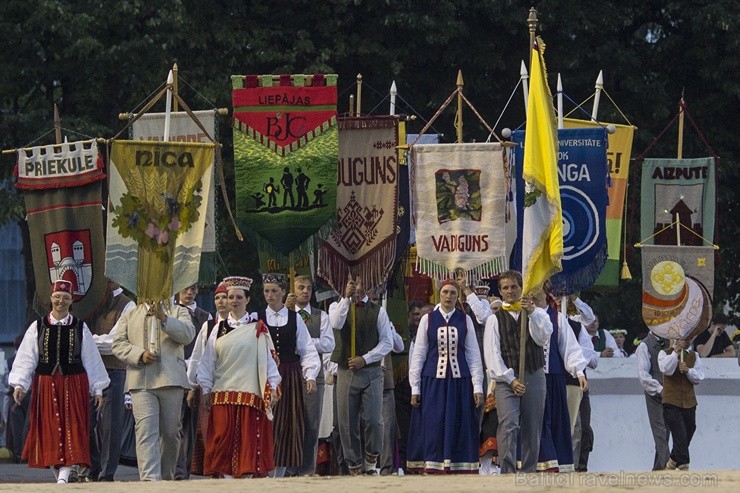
<point>59,362</point>
<point>239,380</point>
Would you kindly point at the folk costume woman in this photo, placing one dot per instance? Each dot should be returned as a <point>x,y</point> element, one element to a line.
<point>59,362</point>
<point>298,360</point>
<point>446,378</point>
<point>239,379</point>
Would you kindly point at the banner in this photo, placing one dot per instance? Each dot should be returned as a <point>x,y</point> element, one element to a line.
<point>363,242</point>
<point>677,189</point>
<point>285,156</point>
<point>150,126</point>
<point>583,175</point>
<point>459,195</point>
<point>62,191</point>
<point>677,289</point>
<point>542,231</point>
<point>157,215</point>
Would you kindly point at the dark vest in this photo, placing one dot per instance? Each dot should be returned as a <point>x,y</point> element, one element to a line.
<point>60,348</point>
<point>366,335</point>
<point>198,317</point>
<point>431,365</point>
<point>285,338</point>
<point>677,388</point>
<point>653,347</point>
<point>508,328</point>
<point>601,343</point>
<point>211,325</point>
<point>104,322</point>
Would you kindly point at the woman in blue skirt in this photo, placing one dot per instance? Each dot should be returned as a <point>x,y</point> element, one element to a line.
<point>446,378</point>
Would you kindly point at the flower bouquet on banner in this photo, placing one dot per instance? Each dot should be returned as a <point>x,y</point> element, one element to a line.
<point>156,221</point>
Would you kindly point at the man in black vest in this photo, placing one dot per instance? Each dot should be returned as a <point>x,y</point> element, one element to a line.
<point>322,336</point>
<point>651,380</point>
<point>520,399</point>
<point>363,338</point>
<point>186,298</point>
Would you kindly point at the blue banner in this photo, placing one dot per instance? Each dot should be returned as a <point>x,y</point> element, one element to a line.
<point>583,171</point>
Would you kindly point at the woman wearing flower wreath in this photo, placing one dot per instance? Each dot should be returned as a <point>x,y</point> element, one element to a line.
<point>59,362</point>
<point>239,380</point>
<point>446,378</point>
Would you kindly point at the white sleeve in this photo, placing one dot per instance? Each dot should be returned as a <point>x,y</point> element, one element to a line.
<point>481,309</point>
<point>649,384</point>
<point>540,326</point>
<point>585,313</point>
<point>419,355</point>
<point>569,348</point>
<point>398,345</point>
<point>197,355</point>
<point>338,312</point>
<point>325,342</point>
<point>26,360</point>
<point>97,375</point>
<point>696,374</point>
<point>667,363</point>
<point>496,368</point>
<point>310,362</point>
<point>587,346</point>
<point>385,341</point>
<point>207,365</point>
<point>472,355</point>
<point>611,343</point>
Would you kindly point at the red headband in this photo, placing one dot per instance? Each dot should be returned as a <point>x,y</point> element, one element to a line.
<point>221,288</point>
<point>447,282</point>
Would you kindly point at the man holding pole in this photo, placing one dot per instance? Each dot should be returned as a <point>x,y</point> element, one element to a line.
<point>363,338</point>
<point>520,396</point>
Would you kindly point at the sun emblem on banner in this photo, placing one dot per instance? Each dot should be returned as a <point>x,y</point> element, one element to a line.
<point>668,278</point>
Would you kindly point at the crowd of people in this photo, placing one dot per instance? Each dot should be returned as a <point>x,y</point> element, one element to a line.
<point>493,385</point>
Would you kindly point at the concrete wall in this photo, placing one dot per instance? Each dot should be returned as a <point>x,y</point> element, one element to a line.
<point>623,440</point>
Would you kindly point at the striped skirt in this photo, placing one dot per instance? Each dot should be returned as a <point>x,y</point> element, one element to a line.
<point>59,417</point>
<point>288,422</point>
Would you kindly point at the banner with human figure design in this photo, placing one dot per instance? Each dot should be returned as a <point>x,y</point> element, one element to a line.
<point>677,289</point>
<point>363,241</point>
<point>61,186</point>
<point>285,156</point>
<point>582,174</point>
<point>459,196</point>
<point>150,126</point>
<point>157,215</point>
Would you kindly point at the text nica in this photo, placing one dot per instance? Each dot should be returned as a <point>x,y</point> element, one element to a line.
<point>284,99</point>
<point>45,167</point>
<point>681,173</point>
<point>367,171</point>
<point>460,243</point>
<point>168,159</point>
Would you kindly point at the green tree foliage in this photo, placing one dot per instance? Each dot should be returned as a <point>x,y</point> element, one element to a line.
<point>98,58</point>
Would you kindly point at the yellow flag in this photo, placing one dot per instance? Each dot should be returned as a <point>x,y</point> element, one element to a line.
<point>542,236</point>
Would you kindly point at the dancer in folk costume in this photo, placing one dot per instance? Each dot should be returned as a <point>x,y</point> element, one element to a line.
<point>239,380</point>
<point>446,377</point>
<point>563,356</point>
<point>59,362</point>
<point>194,398</point>
<point>299,365</point>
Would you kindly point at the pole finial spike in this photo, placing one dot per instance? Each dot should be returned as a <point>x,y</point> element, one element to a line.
<point>459,78</point>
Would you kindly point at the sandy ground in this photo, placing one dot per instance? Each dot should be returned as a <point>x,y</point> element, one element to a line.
<point>699,481</point>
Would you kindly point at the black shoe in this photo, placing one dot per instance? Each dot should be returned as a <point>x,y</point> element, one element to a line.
<point>106,479</point>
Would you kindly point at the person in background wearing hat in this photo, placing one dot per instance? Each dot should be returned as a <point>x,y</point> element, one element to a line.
<point>682,371</point>
<point>59,362</point>
<point>446,377</point>
<point>151,340</point>
<point>189,416</point>
<point>714,342</point>
<point>107,423</point>
<point>520,399</point>
<point>299,365</point>
<point>322,337</point>
<point>240,383</point>
<point>359,382</point>
<point>220,299</point>
<point>651,380</point>
<point>620,335</point>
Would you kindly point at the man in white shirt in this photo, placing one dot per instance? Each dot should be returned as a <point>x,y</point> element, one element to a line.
<point>651,380</point>
<point>363,338</point>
